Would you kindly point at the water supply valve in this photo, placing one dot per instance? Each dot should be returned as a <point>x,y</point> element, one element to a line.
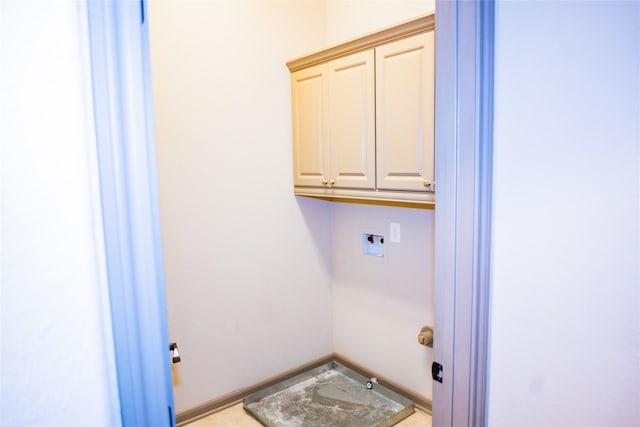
<point>425,337</point>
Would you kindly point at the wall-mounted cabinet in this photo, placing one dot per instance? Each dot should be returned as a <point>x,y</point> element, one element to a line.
<point>363,117</point>
<point>334,123</point>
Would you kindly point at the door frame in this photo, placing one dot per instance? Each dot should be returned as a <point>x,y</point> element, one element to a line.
<point>123,113</point>
<point>129,194</point>
<point>464,156</point>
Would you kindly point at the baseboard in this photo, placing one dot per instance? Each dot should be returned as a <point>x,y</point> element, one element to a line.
<point>230,399</point>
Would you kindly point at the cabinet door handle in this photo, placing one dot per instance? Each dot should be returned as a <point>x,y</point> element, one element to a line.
<point>324,181</point>
<point>427,183</point>
<point>331,182</point>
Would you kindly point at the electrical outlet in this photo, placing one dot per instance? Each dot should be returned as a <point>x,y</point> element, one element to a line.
<point>394,232</point>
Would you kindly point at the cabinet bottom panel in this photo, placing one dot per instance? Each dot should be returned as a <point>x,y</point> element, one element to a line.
<point>427,199</point>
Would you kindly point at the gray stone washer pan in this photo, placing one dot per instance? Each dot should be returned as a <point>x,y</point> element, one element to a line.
<point>329,395</point>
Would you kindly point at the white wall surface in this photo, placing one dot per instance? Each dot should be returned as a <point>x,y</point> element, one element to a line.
<point>565,334</point>
<point>57,349</point>
<point>247,264</point>
<point>380,304</point>
<point>379,308</point>
<point>348,19</point>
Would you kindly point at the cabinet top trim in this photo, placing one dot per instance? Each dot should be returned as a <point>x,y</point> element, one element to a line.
<point>415,26</point>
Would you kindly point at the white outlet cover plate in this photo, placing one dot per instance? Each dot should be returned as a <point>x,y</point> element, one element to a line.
<point>394,232</point>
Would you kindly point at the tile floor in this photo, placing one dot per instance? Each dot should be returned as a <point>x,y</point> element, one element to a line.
<point>235,416</point>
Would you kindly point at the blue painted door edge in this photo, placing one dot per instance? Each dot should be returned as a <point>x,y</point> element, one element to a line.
<point>123,108</point>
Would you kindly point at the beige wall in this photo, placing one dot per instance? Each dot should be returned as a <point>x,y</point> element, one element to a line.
<point>348,19</point>
<point>379,305</point>
<point>247,265</point>
<point>250,284</point>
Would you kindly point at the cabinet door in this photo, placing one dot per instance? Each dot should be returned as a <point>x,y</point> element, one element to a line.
<point>405,114</point>
<point>351,125</point>
<point>310,154</point>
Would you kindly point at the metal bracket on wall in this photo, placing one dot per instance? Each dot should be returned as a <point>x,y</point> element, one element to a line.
<point>437,371</point>
<point>175,355</point>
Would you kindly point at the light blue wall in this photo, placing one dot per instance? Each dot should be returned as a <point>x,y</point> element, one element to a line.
<point>565,334</point>
<point>57,349</point>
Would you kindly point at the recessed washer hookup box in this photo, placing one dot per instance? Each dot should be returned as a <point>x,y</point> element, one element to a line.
<point>329,395</point>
